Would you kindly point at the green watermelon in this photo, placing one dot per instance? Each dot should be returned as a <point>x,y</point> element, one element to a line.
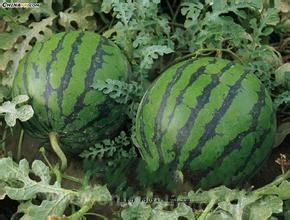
<point>58,74</point>
<point>208,117</point>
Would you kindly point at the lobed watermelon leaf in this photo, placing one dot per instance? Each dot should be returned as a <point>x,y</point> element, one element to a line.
<point>282,75</point>
<point>23,113</point>
<point>2,191</point>
<point>82,18</point>
<point>120,91</point>
<point>142,31</point>
<point>138,209</point>
<point>18,185</point>
<point>13,52</point>
<point>110,149</point>
<point>151,53</point>
<point>41,212</point>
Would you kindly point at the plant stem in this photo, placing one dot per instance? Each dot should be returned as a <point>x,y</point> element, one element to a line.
<point>81,212</point>
<point>19,146</point>
<point>207,209</point>
<point>3,144</point>
<point>42,151</point>
<point>72,178</point>
<point>96,214</point>
<point>103,18</point>
<point>57,149</point>
<point>277,181</point>
<point>200,51</point>
<point>176,13</point>
<point>170,8</point>
<point>176,24</point>
<point>54,170</point>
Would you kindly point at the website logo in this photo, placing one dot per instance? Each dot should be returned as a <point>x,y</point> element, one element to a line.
<point>19,5</point>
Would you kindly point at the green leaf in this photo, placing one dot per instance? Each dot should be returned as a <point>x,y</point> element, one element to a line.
<point>54,199</point>
<point>94,194</point>
<point>4,93</point>
<point>282,190</point>
<point>222,7</point>
<point>7,40</point>
<point>121,92</point>
<point>219,216</point>
<point>42,211</point>
<point>23,113</point>
<point>27,189</point>
<point>282,75</point>
<point>264,208</point>
<point>108,148</point>
<point>124,11</point>
<point>2,190</point>
<point>140,210</point>
<point>270,17</point>
<point>42,171</point>
<point>282,131</point>
<point>82,17</point>
<point>219,193</point>
<point>182,210</point>
<point>21,16</point>
<point>136,210</point>
<point>267,31</point>
<point>108,5</point>
<point>9,58</point>
<point>191,11</point>
<point>282,98</point>
<point>151,53</point>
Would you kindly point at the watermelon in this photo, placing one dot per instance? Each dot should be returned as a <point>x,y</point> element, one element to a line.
<point>209,118</point>
<point>57,75</point>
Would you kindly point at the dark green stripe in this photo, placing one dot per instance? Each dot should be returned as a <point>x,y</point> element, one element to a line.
<point>179,99</point>
<point>257,145</point>
<point>157,124</point>
<point>96,63</point>
<point>41,47</point>
<point>184,133</point>
<point>64,82</point>
<point>210,127</point>
<point>35,69</point>
<point>19,89</point>
<point>257,166</point>
<point>38,126</point>
<point>24,74</point>
<point>48,88</point>
<point>145,144</point>
<point>104,111</point>
<point>34,130</point>
<point>235,143</point>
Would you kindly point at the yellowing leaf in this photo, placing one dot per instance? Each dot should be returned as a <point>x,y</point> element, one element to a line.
<point>10,58</point>
<point>81,18</point>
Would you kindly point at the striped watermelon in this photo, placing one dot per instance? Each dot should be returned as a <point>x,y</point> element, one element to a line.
<point>57,75</point>
<point>208,117</point>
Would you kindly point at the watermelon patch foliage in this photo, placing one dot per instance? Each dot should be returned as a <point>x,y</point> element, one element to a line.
<point>155,37</point>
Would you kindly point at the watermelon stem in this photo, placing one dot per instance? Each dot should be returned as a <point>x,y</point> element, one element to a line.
<point>207,50</point>
<point>207,209</point>
<point>80,213</point>
<point>3,140</point>
<point>19,146</point>
<point>57,149</point>
<point>53,169</point>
